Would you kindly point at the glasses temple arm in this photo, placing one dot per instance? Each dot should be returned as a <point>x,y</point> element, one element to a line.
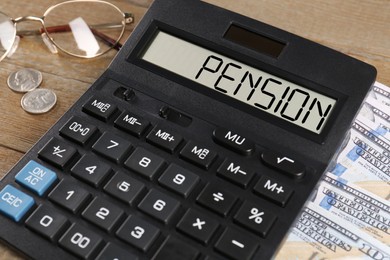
<point>65,28</point>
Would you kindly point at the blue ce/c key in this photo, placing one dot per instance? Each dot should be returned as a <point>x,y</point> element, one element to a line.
<point>14,203</point>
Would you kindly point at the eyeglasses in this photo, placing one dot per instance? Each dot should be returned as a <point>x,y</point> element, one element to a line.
<point>81,28</point>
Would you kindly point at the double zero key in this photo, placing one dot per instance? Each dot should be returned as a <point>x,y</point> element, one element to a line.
<point>80,241</point>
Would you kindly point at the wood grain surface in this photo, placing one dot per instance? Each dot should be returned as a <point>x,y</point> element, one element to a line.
<point>359,28</point>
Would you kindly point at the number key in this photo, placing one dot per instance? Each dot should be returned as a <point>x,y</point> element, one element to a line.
<point>91,170</point>
<point>102,213</point>
<point>80,241</point>
<point>47,222</point>
<point>69,195</point>
<point>159,205</point>
<point>144,162</point>
<point>179,180</point>
<point>138,233</point>
<point>124,187</point>
<point>112,146</point>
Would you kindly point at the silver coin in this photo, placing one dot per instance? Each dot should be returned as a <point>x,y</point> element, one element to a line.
<point>24,80</point>
<point>38,101</point>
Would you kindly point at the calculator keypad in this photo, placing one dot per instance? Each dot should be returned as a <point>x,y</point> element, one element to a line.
<point>117,188</point>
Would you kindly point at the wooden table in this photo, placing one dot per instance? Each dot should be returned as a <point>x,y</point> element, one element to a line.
<point>359,28</point>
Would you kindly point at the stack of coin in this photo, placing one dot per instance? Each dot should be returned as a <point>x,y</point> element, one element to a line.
<point>35,101</point>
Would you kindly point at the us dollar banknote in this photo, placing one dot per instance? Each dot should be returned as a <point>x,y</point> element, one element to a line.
<point>365,159</point>
<point>319,235</point>
<point>364,210</point>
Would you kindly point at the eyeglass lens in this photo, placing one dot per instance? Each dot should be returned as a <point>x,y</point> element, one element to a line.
<point>7,34</point>
<point>85,29</point>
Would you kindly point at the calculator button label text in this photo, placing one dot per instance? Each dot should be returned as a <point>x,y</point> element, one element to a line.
<point>36,177</point>
<point>14,203</point>
<point>273,190</point>
<point>283,163</point>
<point>198,155</point>
<point>164,138</point>
<point>99,108</point>
<point>233,141</point>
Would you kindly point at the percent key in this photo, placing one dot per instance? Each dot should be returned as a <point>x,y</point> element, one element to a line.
<point>255,218</point>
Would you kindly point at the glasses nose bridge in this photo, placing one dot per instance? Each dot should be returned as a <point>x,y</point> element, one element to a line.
<point>29,18</point>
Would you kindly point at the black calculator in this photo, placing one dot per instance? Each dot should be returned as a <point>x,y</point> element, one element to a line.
<point>202,140</point>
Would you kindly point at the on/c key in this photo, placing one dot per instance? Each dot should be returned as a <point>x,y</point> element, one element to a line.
<point>14,203</point>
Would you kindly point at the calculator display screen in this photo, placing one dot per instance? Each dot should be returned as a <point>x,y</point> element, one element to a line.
<point>293,103</point>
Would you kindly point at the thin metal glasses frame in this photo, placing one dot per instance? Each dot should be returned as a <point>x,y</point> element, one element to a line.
<point>127,18</point>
